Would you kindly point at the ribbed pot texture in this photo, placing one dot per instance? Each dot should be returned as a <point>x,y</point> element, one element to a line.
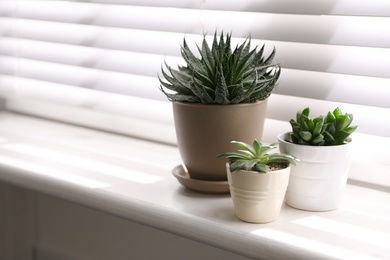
<point>204,131</point>
<point>258,197</point>
<point>317,182</point>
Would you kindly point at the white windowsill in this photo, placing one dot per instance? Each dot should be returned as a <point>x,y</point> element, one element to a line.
<point>132,178</point>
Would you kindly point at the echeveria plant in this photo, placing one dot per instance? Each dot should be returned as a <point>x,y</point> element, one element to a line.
<point>256,157</point>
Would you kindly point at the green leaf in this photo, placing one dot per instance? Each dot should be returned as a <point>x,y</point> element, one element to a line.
<point>270,57</point>
<point>350,129</point>
<point>340,136</point>
<point>181,98</point>
<point>191,60</point>
<point>245,63</point>
<point>242,164</point>
<point>221,91</point>
<point>262,168</point>
<point>182,78</point>
<point>340,122</point>
<point>330,117</point>
<point>241,154</point>
<point>259,55</point>
<point>319,122</point>
<point>305,135</point>
<point>257,147</point>
<point>318,139</point>
<point>245,146</point>
<point>304,125</point>
<point>337,112</point>
<point>329,139</point>
<point>310,124</point>
<point>281,158</point>
<point>203,78</point>
<point>174,85</point>
<point>207,58</point>
<point>236,93</point>
<point>201,92</point>
<point>306,112</point>
<point>265,149</point>
<point>331,129</point>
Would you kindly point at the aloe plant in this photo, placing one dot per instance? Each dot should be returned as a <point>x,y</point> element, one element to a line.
<point>332,129</point>
<point>256,157</point>
<point>221,75</point>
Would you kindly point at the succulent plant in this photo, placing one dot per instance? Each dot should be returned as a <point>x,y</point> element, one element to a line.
<point>256,157</point>
<point>332,129</point>
<point>221,75</point>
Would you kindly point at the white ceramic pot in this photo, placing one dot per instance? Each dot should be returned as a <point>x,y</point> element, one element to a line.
<point>317,182</point>
<point>258,197</point>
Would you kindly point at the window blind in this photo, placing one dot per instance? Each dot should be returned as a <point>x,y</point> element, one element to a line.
<point>78,61</point>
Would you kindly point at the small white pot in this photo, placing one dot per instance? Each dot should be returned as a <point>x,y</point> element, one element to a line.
<point>317,182</point>
<point>258,197</point>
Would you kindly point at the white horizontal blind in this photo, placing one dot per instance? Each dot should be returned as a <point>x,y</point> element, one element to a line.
<point>79,60</point>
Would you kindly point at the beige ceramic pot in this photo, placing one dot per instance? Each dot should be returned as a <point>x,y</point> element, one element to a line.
<point>204,131</point>
<point>258,197</point>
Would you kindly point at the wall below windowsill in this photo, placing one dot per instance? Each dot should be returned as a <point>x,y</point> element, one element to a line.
<point>132,179</point>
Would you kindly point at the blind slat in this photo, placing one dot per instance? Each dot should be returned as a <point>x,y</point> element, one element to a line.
<point>138,17</point>
<point>321,29</point>
<point>339,7</point>
<point>71,96</point>
<point>365,61</point>
<point>145,64</point>
<point>335,87</point>
<point>157,42</point>
<point>112,122</point>
<point>124,83</point>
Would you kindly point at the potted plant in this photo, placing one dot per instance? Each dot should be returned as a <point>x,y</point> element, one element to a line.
<point>323,145</point>
<point>258,181</point>
<point>218,96</point>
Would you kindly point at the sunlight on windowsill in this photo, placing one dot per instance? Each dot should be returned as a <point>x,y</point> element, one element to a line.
<point>346,230</point>
<point>83,163</point>
<point>52,173</point>
<point>302,242</point>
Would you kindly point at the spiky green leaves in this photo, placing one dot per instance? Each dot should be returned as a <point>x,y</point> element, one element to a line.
<point>255,157</point>
<point>221,75</point>
<point>334,129</point>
